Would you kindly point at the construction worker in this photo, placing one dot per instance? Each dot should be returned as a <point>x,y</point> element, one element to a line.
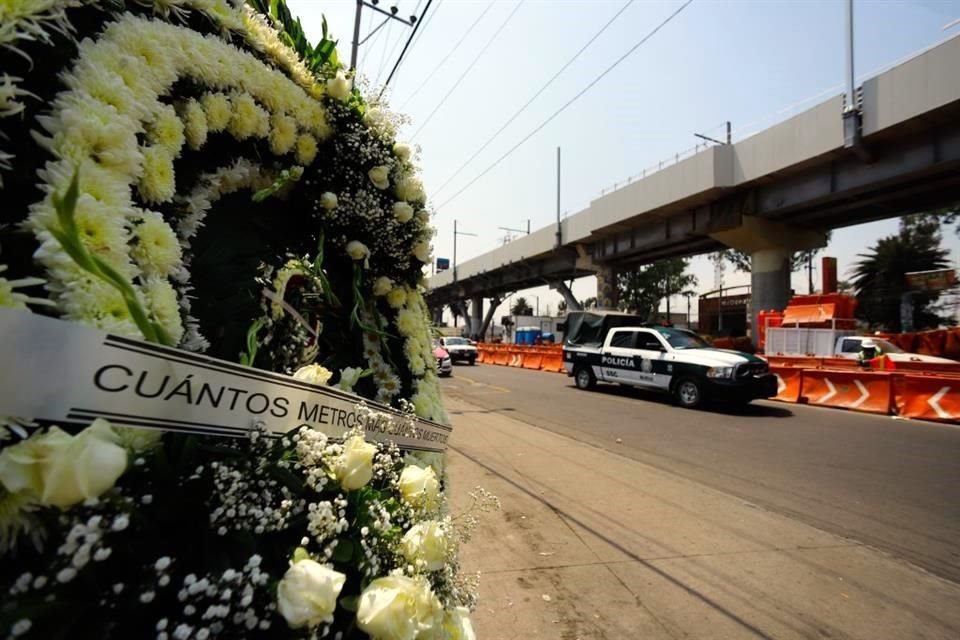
<point>868,351</point>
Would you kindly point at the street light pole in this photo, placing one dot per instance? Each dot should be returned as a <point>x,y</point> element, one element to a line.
<point>455,234</point>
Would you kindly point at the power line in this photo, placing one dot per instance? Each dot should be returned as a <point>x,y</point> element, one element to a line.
<point>446,57</point>
<point>467,71</point>
<point>426,24</point>
<point>568,103</point>
<point>535,96</point>
<point>396,43</point>
<point>406,46</point>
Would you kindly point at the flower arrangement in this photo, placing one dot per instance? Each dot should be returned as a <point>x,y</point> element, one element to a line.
<point>211,181</point>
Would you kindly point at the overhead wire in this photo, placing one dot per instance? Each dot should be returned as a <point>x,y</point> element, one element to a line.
<point>396,44</point>
<point>563,108</point>
<point>449,53</point>
<point>406,47</point>
<point>535,96</point>
<point>416,35</point>
<point>468,69</point>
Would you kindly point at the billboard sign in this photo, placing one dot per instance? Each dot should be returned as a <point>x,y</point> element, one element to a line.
<point>443,264</point>
<point>937,280</point>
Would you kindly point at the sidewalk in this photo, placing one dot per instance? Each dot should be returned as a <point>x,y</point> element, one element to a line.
<point>592,545</point>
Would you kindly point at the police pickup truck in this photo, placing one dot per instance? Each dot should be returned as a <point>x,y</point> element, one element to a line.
<point>674,361</point>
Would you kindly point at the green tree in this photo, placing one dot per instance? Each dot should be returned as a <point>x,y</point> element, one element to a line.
<point>879,279</point>
<point>521,308</point>
<point>642,289</point>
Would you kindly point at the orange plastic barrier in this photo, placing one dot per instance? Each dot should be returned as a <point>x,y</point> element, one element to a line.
<point>789,382</point>
<point>516,357</point>
<point>532,360</point>
<point>861,391</point>
<point>795,361</point>
<point>928,397</point>
<point>501,356</point>
<point>840,363</point>
<point>553,362</point>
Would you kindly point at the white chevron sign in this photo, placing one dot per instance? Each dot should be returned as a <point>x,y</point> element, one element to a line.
<point>934,403</point>
<point>829,394</point>
<point>864,394</point>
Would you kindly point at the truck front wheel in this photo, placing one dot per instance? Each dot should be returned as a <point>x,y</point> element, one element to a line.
<point>584,378</point>
<point>688,393</point>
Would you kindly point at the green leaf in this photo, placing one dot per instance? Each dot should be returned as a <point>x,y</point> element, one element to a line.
<point>343,551</point>
<point>350,603</point>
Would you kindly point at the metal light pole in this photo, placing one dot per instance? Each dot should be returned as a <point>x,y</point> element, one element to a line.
<point>559,228</point>
<point>455,234</point>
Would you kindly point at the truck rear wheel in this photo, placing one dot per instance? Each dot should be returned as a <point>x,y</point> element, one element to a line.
<point>584,378</point>
<point>688,393</point>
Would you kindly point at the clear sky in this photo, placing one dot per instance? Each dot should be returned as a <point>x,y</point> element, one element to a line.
<point>753,62</point>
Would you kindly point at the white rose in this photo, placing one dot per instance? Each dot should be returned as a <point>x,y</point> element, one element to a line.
<point>339,87</point>
<point>349,377</point>
<point>380,176</point>
<point>358,251</point>
<point>421,251</point>
<point>307,594</point>
<point>354,468</point>
<point>456,625</point>
<point>402,150</point>
<point>419,486</point>
<point>382,286</point>
<point>397,607</point>
<point>427,542</point>
<point>328,200</point>
<point>402,211</point>
<point>397,297</point>
<point>61,469</point>
<point>314,374</point>
<point>410,189</point>
<point>433,459</point>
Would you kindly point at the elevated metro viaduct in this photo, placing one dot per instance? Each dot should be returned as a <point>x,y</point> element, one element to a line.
<point>896,150</point>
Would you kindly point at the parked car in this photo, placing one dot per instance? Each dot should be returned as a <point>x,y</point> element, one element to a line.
<point>444,365</point>
<point>460,349</point>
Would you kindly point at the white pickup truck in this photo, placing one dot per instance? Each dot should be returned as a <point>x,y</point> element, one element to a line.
<point>850,347</point>
<point>674,361</point>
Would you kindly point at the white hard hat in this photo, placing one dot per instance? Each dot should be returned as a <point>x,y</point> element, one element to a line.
<point>868,344</point>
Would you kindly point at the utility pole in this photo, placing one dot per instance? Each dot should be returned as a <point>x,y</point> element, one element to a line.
<point>517,230</point>
<point>559,231</point>
<point>390,15</point>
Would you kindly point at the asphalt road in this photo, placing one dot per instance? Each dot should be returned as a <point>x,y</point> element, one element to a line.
<point>889,483</point>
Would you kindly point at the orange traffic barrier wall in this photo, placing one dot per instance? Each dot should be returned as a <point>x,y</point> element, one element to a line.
<point>795,361</point>
<point>532,360</point>
<point>501,356</point>
<point>861,390</point>
<point>789,381</point>
<point>927,397</point>
<point>516,357</point>
<point>553,362</point>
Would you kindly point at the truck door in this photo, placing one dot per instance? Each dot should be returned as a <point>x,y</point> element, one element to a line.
<point>654,368</point>
<point>618,362</point>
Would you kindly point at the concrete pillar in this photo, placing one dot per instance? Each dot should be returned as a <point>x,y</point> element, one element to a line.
<point>476,315</point>
<point>608,297</point>
<point>572,303</point>
<point>769,283</point>
<point>488,317</point>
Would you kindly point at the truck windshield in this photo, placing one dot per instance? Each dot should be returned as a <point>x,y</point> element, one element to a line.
<point>679,339</point>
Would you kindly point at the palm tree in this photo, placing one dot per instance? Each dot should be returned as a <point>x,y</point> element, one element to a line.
<point>879,278</point>
<point>521,308</point>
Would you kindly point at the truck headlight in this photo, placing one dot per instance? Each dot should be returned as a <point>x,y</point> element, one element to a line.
<point>720,372</point>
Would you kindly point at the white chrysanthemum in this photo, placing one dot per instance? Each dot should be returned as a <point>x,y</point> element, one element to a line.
<point>157,250</point>
<point>283,133</point>
<point>13,299</point>
<point>167,130</point>
<point>157,184</point>
<point>247,117</point>
<point>306,149</point>
<point>101,230</point>
<point>95,303</point>
<point>195,124</point>
<point>218,109</point>
<point>397,297</point>
<point>410,189</point>
<point>162,301</point>
<point>407,321</point>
